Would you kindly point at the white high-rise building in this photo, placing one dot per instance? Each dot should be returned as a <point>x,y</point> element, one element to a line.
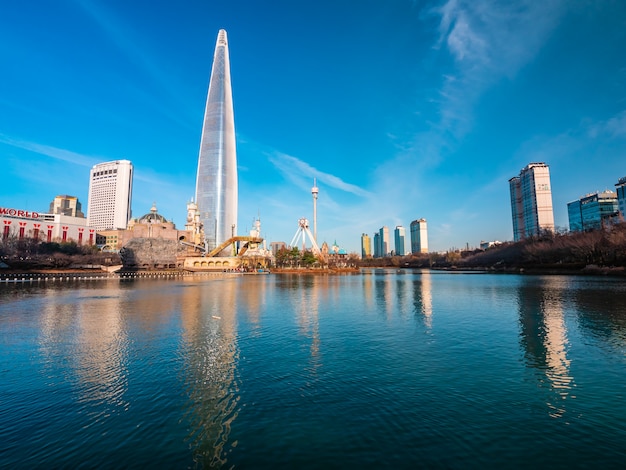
<point>531,201</point>
<point>110,195</point>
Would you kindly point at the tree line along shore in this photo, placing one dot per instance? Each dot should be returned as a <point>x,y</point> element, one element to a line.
<point>600,251</point>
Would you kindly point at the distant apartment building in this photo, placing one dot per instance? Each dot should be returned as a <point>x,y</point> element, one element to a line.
<point>620,188</point>
<point>275,247</point>
<point>592,210</point>
<point>385,248</point>
<point>419,236</point>
<point>377,248</point>
<point>66,205</point>
<point>110,195</point>
<point>399,235</point>
<point>531,201</point>
<point>366,246</point>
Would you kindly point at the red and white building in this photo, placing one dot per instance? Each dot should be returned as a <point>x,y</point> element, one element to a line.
<point>45,227</point>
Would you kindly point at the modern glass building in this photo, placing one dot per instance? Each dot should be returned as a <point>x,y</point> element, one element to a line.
<point>110,195</point>
<point>419,236</point>
<point>216,180</point>
<point>377,249</point>
<point>621,195</point>
<point>399,235</point>
<point>591,211</point>
<point>384,241</point>
<point>531,201</point>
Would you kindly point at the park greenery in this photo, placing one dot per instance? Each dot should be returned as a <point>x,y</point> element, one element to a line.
<point>33,254</point>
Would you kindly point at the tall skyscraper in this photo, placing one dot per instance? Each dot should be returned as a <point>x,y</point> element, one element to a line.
<point>531,201</point>
<point>399,236</point>
<point>366,246</point>
<point>384,241</point>
<point>216,180</point>
<point>110,195</point>
<point>419,236</point>
<point>377,248</point>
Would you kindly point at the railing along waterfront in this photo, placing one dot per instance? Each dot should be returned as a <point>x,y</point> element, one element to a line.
<point>7,278</point>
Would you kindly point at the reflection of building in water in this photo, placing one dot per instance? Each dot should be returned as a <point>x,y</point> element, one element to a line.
<point>368,289</point>
<point>383,292</point>
<point>544,337</point>
<point>94,329</point>
<point>209,322</point>
<point>307,311</point>
<point>423,300</point>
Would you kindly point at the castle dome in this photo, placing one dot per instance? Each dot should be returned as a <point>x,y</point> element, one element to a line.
<point>152,217</point>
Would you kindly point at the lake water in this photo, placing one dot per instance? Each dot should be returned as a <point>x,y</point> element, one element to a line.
<point>385,369</point>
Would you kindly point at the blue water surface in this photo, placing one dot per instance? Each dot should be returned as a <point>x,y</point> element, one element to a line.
<point>383,369</point>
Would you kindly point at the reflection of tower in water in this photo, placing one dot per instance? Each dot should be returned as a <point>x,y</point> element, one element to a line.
<point>306,308</point>
<point>210,345</point>
<point>544,336</point>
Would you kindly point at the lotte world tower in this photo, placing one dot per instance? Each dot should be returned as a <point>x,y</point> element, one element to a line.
<point>216,180</point>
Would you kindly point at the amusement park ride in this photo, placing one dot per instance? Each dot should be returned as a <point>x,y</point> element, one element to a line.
<point>302,233</point>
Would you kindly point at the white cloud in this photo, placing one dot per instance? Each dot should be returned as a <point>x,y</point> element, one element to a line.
<point>49,151</point>
<point>301,173</point>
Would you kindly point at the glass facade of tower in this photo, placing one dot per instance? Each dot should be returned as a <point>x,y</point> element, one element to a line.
<point>384,241</point>
<point>419,236</point>
<point>620,188</point>
<point>591,211</point>
<point>399,237</point>
<point>216,181</point>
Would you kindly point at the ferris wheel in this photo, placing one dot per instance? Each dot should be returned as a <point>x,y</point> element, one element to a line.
<point>302,233</point>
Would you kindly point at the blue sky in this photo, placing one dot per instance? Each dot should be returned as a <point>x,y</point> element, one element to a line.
<point>401,109</point>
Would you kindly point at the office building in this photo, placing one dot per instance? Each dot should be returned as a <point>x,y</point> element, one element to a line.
<point>399,236</point>
<point>366,246</point>
<point>419,236</point>
<point>216,180</point>
<point>377,249</point>
<point>110,195</point>
<point>66,205</point>
<point>531,201</point>
<point>592,211</point>
<point>620,189</point>
<point>385,247</point>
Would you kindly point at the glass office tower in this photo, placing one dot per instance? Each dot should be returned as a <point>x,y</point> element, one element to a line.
<point>216,181</point>
<point>531,201</point>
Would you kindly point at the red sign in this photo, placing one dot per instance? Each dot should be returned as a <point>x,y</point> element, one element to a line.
<point>19,213</point>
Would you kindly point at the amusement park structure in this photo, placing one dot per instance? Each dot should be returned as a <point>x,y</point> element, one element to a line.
<point>301,234</point>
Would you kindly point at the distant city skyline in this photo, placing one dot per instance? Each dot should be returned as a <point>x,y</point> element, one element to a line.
<point>462,94</point>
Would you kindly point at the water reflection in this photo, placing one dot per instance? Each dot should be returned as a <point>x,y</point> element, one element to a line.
<point>209,349</point>
<point>544,338</point>
<point>88,335</point>
<point>423,299</point>
<point>602,311</point>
